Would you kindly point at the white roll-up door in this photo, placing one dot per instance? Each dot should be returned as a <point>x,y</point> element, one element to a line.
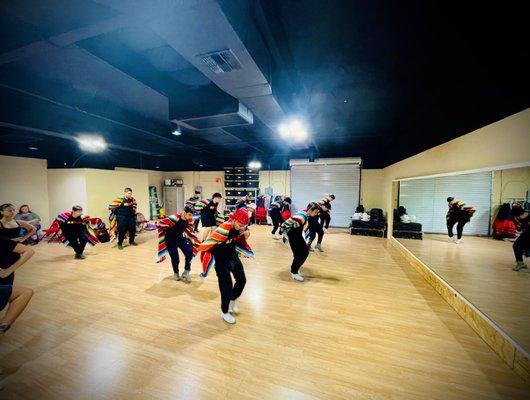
<point>426,199</point>
<point>311,181</point>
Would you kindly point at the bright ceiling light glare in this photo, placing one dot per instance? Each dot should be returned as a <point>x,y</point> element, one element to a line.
<point>284,131</point>
<point>91,143</point>
<point>33,148</point>
<point>177,132</point>
<point>294,130</point>
<point>254,165</point>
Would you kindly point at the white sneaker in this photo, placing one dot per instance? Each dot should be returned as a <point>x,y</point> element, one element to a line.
<point>451,239</point>
<point>319,247</point>
<point>297,277</point>
<point>458,241</point>
<point>276,237</point>
<point>228,318</point>
<point>186,276</point>
<point>176,277</point>
<point>233,306</point>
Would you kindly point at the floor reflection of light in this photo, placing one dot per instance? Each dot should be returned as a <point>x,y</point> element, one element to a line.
<point>105,362</point>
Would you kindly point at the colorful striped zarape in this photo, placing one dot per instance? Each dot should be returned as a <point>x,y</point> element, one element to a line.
<point>298,219</point>
<point>168,222</point>
<point>118,201</point>
<point>63,218</point>
<point>199,205</point>
<point>220,218</point>
<point>220,235</point>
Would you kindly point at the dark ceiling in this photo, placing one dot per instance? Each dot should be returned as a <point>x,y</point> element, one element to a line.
<point>381,80</point>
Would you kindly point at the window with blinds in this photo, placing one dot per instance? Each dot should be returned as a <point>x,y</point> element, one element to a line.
<point>311,181</point>
<point>426,199</point>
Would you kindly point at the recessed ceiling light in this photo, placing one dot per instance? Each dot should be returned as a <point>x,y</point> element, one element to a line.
<point>254,165</point>
<point>177,132</point>
<point>33,148</point>
<point>345,100</point>
<point>157,167</point>
<point>91,143</point>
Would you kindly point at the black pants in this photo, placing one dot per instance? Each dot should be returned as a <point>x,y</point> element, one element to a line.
<point>315,229</point>
<point>299,249</point>
<point>126,224</point>
<point>325,219</point>
<point>173,243</point>
<point>276,221</point>
<point>77,241</point>
<point>196,225</point>
<point>230,291</point>
<point>459,226</point>
<point>521,244</point>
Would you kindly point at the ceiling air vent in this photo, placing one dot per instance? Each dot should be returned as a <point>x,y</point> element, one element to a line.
<point>221,61</point>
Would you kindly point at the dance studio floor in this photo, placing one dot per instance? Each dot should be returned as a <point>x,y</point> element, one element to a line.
<point>481,270</point>
<point>364,325</point>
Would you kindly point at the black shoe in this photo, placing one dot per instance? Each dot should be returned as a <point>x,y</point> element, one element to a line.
<point>133,244</point>
<point>79,257</point>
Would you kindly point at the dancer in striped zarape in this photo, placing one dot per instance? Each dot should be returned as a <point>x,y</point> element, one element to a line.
<point>293,230</point>
<point>222,250</point>
<point>74,230</point>
<point>210,217</point>
<point>123,217</point>
<point>176,232</point>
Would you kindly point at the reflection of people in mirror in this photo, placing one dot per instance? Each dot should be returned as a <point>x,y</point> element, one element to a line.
<point>459,214</point>
<point>522,243</point>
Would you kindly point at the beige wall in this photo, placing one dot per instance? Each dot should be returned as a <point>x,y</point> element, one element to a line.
<point>154,178</point>
<point>104,185</point>
<point>24,181</point>
<point>502,143</point>
<point>280,181</point>
<point>371,188</point>
<point>66,188</point>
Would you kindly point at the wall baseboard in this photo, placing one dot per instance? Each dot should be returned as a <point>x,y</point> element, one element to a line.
<point>512,353</point>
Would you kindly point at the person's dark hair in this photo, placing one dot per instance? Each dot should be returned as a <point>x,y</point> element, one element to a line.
<point>3,207</point>
<point>332,196</point>
<point>504,212</point>
<point>450,199</point>
<point>217,194</point>
<point>197,192</point>
<point>287,200</point>
<point>77,208</point>
<point>188,209</point>
<point>517,210</point>
<point>127,189</point>
<point>359,209</point>
<point>401,210</point>
<point>313,206</point>
<point>21,207</point>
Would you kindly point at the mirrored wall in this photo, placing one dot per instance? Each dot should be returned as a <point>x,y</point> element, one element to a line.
<point>463,226</point>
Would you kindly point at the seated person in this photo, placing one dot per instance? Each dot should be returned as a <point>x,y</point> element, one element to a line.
<point>12,256</point>
<point>24,214</point>
<point>10,228</point>
<point>504,225</point>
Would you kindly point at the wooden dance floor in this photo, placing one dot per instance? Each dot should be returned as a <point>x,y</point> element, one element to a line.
<point>481,270</point>
<point>364,325</point>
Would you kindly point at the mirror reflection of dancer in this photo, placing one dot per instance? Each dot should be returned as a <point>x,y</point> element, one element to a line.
<point>522,243</point>
<point>209,215</point>
<point>12,256</point>
<point>222,250</point>
<point>293,229</point>
<point>196,214</point>
<point>459,214</point>
<point>176,232</point>
<point>74,230</point>
<point>123,217</point>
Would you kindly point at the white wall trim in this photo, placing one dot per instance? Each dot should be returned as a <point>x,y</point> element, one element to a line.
<point>470,171</point>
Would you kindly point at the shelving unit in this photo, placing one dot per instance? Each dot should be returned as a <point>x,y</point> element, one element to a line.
<point>240,181</point>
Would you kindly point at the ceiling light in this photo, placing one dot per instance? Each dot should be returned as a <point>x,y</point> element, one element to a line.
<point>254,165</point>
<point>294,129</point>
<point>91,143</point>
<point>177,132</point>
<point>33,148</point>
